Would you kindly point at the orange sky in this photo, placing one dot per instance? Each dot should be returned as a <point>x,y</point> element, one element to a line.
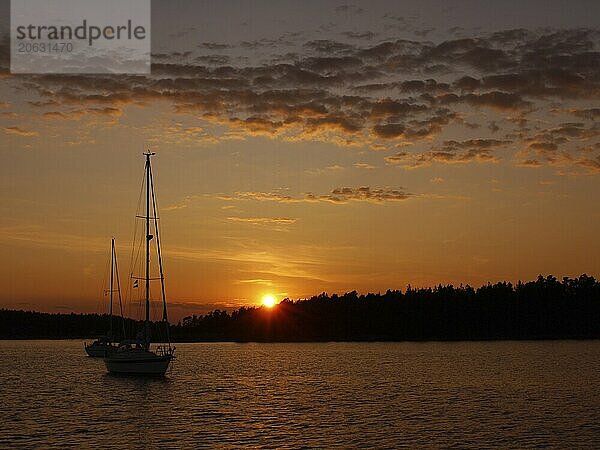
<point>367,149</point>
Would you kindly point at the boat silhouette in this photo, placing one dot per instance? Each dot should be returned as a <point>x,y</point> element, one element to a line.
<point>136,356</point>
<point>106,345</point>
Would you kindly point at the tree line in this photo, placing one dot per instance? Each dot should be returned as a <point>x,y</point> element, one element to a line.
<point>546,308</point>
<point>39,325</point>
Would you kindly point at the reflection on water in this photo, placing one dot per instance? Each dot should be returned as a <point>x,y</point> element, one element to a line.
<point>505,394</point>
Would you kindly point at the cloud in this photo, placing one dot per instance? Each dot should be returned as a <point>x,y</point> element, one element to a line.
<point>389,130</point>
<point>568,144</point>
<point>77,114</point>
<point>543,147</point>
<point>467,83</point>
<point>328,46</point>
<point>361,93</point>
<point>339,195</point>
<point>264,220</point>
<point>20,131</point>
<point>365,166</point>
<point>256,281</point>
<point>451,152</point>
<point>332,168</point>
<point>530,163</point>
<point>589,114</point>
<point>592,166</point>
<point>366,194</point>
<point>260,196</point>
<point>394,108</point>
<point>509,101</point>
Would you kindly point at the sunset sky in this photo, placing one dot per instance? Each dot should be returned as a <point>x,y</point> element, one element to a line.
<point>311,146</point>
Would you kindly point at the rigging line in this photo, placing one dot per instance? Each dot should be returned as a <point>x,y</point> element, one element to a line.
<point>100,302</point>
<point>160,264</point>
<point>132,262</point>
<point>119,291</point>
<point>139,264</point>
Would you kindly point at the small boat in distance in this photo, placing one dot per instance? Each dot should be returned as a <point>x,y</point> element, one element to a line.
<point>100,347</point>
<point>136,357</point>
<point>105,345</point>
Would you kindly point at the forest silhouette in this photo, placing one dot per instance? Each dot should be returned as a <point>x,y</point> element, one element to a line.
<point>546,308</point>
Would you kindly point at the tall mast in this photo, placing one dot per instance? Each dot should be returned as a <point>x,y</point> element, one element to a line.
<point>148,237</point>
<point>110,309</point>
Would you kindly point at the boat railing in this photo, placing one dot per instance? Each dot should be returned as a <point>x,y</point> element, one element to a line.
<point>165,350</point>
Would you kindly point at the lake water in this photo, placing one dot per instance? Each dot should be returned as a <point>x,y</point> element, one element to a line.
<point>345,395</point>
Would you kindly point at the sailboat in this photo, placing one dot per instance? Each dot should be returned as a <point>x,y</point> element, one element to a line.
<point>137,356</point>
<point>105,345</point>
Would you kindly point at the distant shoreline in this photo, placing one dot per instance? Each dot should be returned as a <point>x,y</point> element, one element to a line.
<point>544,309</point>
<point>373,341</point>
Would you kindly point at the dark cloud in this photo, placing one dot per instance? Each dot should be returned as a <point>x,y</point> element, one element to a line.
<point>474,143</point>
<point>430,126</point>
<point>389,130</point>
<point>543,146</point>
<point>363,194</point>
<point>364,92</point>
<point>492,126</point>
<point>554,146</point>
<point>494,99</point>
<point>535,83</point>
<point>476,53</point>
<point>388,107</point>
<point>450,152</point>
<point>589,114</point>
<point>333,123</point>
<point>467,83</point>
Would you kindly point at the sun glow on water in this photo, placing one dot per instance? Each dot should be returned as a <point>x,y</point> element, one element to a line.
<point>268,300</point>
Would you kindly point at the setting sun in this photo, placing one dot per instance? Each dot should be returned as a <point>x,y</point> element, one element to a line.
<point>268,300</point>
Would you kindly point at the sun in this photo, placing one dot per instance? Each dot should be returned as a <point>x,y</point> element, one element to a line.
<point>268,300</point>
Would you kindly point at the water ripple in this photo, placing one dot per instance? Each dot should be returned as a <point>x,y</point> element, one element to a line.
<point>346,395</point>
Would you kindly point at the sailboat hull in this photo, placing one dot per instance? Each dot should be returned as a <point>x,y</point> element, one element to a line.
<point>138,363</point>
